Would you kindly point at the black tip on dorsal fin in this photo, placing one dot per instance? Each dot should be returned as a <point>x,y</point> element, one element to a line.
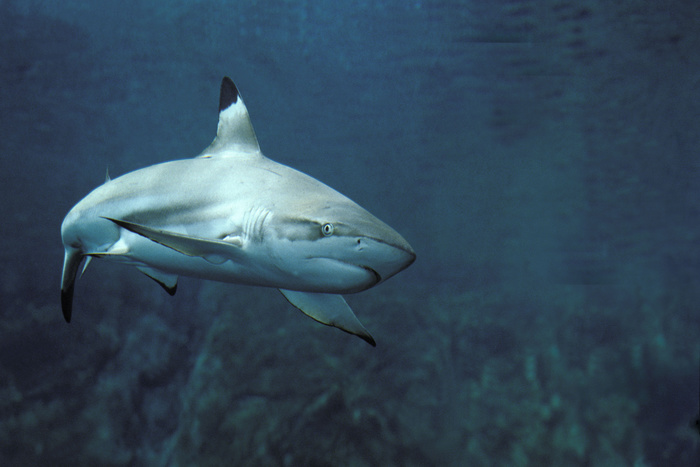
<point>229,94</point>
<point>234,132</point>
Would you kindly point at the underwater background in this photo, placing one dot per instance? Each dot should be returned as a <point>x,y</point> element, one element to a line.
<point>540,156</point>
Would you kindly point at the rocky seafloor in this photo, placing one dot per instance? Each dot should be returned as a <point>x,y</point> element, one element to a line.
<point>475,378</point>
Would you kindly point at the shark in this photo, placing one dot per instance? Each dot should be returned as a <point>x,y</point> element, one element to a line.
<point>233,215</point>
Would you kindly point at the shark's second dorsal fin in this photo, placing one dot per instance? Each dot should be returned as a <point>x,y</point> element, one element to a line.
<point>234,134</point>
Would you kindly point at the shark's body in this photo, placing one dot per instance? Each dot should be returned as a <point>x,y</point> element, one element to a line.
<point>233,215</point>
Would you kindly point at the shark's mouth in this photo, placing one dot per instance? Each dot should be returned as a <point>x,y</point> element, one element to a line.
<point>377,277</point>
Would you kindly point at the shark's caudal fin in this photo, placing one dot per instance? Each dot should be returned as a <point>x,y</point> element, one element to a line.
<point>234,134</point>
<point>71,263</point>
<point>329,309</point>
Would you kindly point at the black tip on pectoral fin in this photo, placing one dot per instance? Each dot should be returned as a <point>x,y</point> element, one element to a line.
<point>229,94</point>
<point>169,289</point>
<point>367,338</point>
<point>329,309</point>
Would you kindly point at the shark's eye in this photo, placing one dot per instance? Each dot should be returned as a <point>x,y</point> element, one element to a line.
<point>327,229</point>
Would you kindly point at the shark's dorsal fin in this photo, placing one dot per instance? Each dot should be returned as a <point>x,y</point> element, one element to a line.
<point>234,134</point>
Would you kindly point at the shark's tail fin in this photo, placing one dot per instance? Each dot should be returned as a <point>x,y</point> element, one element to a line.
<point>71,264</point>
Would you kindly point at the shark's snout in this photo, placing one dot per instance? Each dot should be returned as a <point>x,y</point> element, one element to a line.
<point>389,258</point>
<point>407,256</point>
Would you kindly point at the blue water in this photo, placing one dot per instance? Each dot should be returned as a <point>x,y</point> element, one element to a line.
<point>540,156</point>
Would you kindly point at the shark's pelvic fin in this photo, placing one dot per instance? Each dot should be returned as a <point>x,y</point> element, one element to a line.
<point>234,134</point>
<point>214,251</point>
<point>329,309</point>
<point>165,280</point>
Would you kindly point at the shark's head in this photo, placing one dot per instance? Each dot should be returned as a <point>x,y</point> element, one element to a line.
<point>336,246</point>
<point>313,238</point>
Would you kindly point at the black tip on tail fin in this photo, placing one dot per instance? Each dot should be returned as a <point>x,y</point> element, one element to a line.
<point>229,94</point>
<point>71,265</point>
<point>67,303</point>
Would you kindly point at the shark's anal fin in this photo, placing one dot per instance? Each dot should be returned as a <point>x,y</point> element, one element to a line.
<point>165,280</point>
<point>329,309</point>
<point>214,251</point>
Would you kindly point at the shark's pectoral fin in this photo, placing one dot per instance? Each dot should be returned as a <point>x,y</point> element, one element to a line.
<point>71,263</point>
<point>165,280</point>
<point>214,251</point>
<point>329,309</point>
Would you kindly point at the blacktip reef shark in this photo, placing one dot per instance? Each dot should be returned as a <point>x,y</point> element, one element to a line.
<point>233,215</point>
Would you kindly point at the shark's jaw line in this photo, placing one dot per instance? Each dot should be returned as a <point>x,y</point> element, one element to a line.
<point>233,215</point>
<point>377,277</point>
